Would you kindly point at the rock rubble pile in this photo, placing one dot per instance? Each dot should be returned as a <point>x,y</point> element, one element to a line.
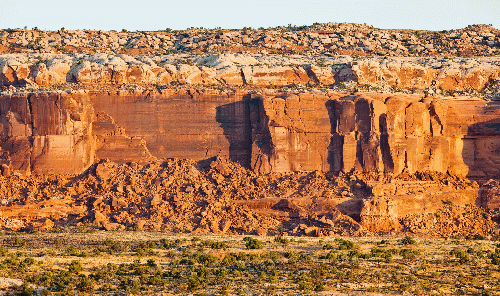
<point>210,196</point>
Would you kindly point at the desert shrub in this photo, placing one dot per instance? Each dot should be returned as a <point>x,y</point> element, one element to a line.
<point>62,279</point>
<point>328,247</point>
<point>145,249</point>
<point>274,276</point>
<point>252,243</point>
<point>173,273</point>
<point>151,263</point>
<point>409,253</point>
<point>354,254</point>
<point>26,289</point>
<point>320,288</point>
<point>495,256</point>
<point>214,244</point>
<point>100,274</point>
<point>229,259</point>
<point>26,263</point>
<point>463,256</point>
<point>156,279</point>
<point>292,256</point>
<point>118,248</point>
<point>345,244</point>
<point>332,255</point>
<point>207,259</point>
<point>199,257</point>
<point>377,252</point>
<point>130,285</point>
<point>122,270</point>
<point>106,287</point>
<point>187,261</point>
<point>75,266</point>
<point>43,279</point>
<point>478,236</point>
<point>387,257</point>
<point>281,240</point>
<point>220,274</point>
<point>72,251</point>
<point>100,249</point>
<point>18,242</point>
<point>166,244</point>
<point>57,281</point>
<point>305,257</point>
<point>193,281</point>
<point>304,282</point>
<point>84,284</point>
<point>408,240</point>
<point>273,255</point>
<point>3,251</point>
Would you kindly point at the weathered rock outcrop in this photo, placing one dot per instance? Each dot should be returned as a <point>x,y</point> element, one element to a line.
<point>432,75</point>
<point>331,38</point>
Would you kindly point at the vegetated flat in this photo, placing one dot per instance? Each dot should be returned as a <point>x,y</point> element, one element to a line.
<point>156,263</point>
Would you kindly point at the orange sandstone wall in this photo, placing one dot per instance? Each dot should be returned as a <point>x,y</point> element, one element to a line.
<point>63,133</point>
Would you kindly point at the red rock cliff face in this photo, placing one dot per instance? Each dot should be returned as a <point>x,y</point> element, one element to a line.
<point>383,135</point>
<point>46,133</point>
<point>61,133</point>
<point>131,127</point>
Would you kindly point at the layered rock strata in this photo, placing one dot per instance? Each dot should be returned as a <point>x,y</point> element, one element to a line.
<point>339,132</point>
<point>432,75</point>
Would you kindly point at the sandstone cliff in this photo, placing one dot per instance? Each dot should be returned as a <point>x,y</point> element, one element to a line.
<point>366,132</point>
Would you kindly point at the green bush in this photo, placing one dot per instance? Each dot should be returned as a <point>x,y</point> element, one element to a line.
<point>75,266</point>
<point>495,256</point>
<point>281,240</point>
<point>72,251</point>
<point>328,247</point>
<point>130,285</point>
<point>345,244</point>
<point>252,243</point>
<point>332,255</point>
<point>409,253</point>
<point>84,284</point>
<point>463,256</point>
<point>408,240</point>
<point>215,245</point>
<point>292,256</point>
<point>26,289</point>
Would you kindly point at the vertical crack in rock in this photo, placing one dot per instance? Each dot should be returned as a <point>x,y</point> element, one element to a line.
<point>243,77</point>
<point>30,113</point>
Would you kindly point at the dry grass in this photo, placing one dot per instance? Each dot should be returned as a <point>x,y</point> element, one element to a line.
<point>155,263</point>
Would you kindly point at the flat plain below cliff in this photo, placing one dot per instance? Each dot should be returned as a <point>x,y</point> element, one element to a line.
<point>335,129</point>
